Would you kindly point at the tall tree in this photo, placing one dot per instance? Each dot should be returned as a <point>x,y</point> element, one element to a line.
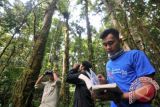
<point>24,88</point>
<point>89,34</point>
<point>65,86</point>
<point>63,7</point>
<point>79,31</point>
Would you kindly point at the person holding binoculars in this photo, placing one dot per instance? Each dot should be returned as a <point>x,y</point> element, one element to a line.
<point>51,90</point>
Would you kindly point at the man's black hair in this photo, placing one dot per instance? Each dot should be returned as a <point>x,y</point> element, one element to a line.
<point>112,31</point>
<point>87,65</point>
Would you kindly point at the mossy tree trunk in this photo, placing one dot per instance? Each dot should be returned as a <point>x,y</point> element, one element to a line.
<point>65,86</point>
<point>89,34</point>
<point>23,91</point>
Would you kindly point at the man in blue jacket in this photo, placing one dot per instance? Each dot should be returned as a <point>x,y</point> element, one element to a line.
<point>123,68</point>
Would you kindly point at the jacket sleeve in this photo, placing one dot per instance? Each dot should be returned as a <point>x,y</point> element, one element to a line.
<point>72,77</point>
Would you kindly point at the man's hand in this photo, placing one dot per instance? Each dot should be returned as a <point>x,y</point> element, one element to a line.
<point>76,66</point>
<point>101,79</point>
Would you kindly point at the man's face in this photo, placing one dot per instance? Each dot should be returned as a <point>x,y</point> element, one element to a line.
<point>111,44</point>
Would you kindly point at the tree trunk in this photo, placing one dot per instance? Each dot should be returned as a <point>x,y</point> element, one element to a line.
<point>89,34</point>
<point>79,49</point>
<point>24,87</point>
<point>65,87</point>
<point>7,63</point>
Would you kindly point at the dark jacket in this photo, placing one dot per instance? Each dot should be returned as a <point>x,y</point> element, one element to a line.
<point>82,96</point>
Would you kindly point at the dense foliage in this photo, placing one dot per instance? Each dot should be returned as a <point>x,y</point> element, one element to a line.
<point>22,21</point>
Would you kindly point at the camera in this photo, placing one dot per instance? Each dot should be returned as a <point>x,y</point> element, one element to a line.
<point>48,72</point>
